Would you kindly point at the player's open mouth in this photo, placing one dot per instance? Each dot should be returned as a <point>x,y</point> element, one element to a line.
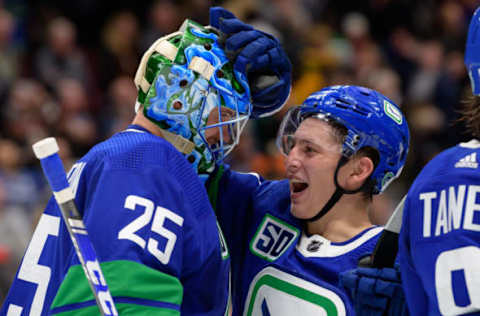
<point>297,187</point>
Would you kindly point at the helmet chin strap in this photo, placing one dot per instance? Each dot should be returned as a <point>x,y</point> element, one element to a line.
<point>339,191</point>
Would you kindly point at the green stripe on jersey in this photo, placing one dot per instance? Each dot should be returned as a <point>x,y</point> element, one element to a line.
<point>124,279</point>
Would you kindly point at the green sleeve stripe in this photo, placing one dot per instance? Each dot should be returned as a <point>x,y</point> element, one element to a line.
<point>213,187</point>
<point>125,279</point>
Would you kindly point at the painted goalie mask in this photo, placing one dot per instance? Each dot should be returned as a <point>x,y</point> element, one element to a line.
<point>187,87</point>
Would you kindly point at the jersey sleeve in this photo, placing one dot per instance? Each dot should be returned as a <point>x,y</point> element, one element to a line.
<point>234,205</point>
<point>136,220</point>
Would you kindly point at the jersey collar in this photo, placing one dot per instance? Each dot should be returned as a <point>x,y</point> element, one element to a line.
<point>320,247</point>
<point>472,144</point>
<point>136,129</point>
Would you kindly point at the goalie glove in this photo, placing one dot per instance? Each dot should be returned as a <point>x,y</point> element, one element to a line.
<point>375,292</point>
<point>260,56</point>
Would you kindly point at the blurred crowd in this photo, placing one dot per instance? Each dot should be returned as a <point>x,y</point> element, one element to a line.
<point>67,67</point>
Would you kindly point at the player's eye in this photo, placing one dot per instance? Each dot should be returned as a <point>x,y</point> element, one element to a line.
<point>227,114</point>
<point>309,149</point>
<point>306,147</point>
<point>288,143</point>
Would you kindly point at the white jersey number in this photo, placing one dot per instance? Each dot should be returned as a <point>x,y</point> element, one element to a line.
<point>159,215</point>
<point>31,270</point>
<point>462,260</point>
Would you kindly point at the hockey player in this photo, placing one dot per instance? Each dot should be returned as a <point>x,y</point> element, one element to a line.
<point>439,243</point>
<point>146,211</point>
<point>439,240</point>
<point>286,281</point>
<point>290,239</point>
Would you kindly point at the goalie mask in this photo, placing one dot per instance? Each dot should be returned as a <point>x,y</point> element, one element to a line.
<point>187,87</point>
<point>368,119</point>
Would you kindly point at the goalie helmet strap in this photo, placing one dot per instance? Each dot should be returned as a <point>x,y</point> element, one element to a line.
<point>202,66</point>
<point>161,46</point>
<point>182,144</point>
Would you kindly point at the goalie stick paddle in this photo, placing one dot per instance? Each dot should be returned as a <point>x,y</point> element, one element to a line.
<point>386,248</point>
<point>46,151</point>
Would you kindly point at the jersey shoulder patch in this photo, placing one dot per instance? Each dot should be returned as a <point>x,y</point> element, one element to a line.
<point>273,237</point>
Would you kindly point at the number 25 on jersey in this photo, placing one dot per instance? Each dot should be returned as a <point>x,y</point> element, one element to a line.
<point>159,214</point>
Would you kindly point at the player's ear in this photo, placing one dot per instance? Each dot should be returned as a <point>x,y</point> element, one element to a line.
<point>360,168</point>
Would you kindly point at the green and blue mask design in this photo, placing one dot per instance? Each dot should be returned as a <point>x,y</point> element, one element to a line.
<point>193,91</point>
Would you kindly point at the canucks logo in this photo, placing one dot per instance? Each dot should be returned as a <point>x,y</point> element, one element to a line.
<point>393,112</point>
<point>275,292</point>
<point>272,238</point>
<point>389,176</point>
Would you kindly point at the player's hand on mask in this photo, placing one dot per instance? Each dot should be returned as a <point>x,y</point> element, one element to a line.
<point>260,56</point>
<point>375,291</point>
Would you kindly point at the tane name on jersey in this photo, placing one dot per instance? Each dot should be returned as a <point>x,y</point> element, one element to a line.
<point>455,207</point>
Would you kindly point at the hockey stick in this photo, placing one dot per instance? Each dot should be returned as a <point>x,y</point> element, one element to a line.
<point>386,248</point>
<point>46,151</point>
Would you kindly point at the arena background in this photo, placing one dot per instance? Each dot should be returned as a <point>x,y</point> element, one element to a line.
<point>66,70</point>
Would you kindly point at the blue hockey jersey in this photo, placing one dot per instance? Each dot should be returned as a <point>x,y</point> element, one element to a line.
<point>276,268</point>
<point>439,251</point>
<point>153,230</point>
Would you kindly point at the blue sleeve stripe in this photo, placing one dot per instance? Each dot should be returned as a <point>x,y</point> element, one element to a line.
<point>140,301</point>
<point>117,300</point>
